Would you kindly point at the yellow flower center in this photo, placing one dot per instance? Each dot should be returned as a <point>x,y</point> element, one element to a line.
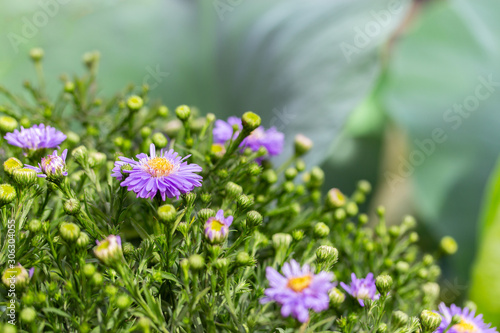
<point>216,225</point>
<point>159,167</point>
<point>465,327</point>
<point>103,245</point>
<point>298,284</point>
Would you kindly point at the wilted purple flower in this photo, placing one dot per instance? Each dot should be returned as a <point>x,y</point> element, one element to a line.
<point>167,174</point>
<point>217,228</point>
<point>52,167</point>
<point>362,289</point>
<point>469,323</point>
<point>299,290</point>
<point>271,139</point>
<point>36,137</point>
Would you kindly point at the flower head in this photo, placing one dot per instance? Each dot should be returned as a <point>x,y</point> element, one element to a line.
<point>17,275</point>
<point>52,167</point>
<point>298,290</point>
<point>217,228</point>
<point>166,173</point>
<point>469,323</point>
<point>109,250</point>
<point>36,137</point>
<point>362,289</point>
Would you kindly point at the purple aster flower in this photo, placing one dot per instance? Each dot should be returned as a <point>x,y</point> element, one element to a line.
<point>271,139</point>
<point>166,173</point>
<point>36,137</point>
<point>470,323</point>
<point>298,290</point>
<point>117,170</point>
<point>52,167</point>
<point>362,289</point>
<point>109,250</point>
<point>217,228</point>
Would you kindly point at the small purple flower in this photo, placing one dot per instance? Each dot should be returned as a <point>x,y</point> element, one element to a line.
<point>362,289</point>
<point>217,228</point>
<point>298,290</point>
<point>109,250</point>
<point>166,173</point>
<point>470,323</point>
<point>117,170</point>
<point>271,139</point>
<point>52,167</point>
<point>36,137</point>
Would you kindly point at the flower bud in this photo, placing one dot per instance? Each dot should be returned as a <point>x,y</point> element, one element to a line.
<point>321,230</point>
<point>394,231</point>
<point>399,318</point>
<point>233,190</point>
<point>17,275</point>
<point>88,270</point>
<point>72,206</point>
<point>431,291</point>
<point>144,324</point>
<point>69,232</point>
<point>254,169</point>
<point>302,144</point>
<point>335,198</point>
<point>34,226</point>
<point>134,103</point>
<point>24,177</point>
<point>167,214</point>
<point>326,253</point>
<point>340,214</point>
<point>298,235</point>
<point>291,173</point>
<point>12,164</point>
<point>250,121</point>
<point>80,154</point>
<point>123,302</point>
<point>244,259</point>
<point>159,140</point>
<point>364,186</point>
<point>145,132</point>
<point>383,284</point>
<point>448,245</point>
<point>222,264</point>
<point>423,273</point>
<point>69,87</point>
<point>351,209</point>
<point>83,241</point>
<point>382,328</point>
<point>189,199</point>
<point>163,111</point>
<point>183,112</point>
<point>470,305</point>
<point>288,187</point>
<point>109,250</point>
<point>428,260</point>
<point>281,240</point>
<point>402,267</point>
<point>97,279</point>
<point>253,218</point>
<point>430,320</point>
<point>409,222</point>
<point>434,272</point>
<point>7,194</point>
<point>270,176</point>
<point>317,177</point>
<point>336,296</point>
<point>28,315</point>
<point>8,124</point>
<point>196,262</point>
<point>244,202</point>
<point>205,213</point>
<point>36,54</point>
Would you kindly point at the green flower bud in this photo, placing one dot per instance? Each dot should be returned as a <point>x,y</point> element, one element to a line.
<point>431,291</point>
<point>183,112</point>
<point>189,199</point>
<point>24,177</point>
<point>336,296</point>
<point>302,144</point>
<point>123,302</point>
<point>430,320</point>
<point>295,209</point>
<point>364,186</point>
<point>69,87</point>
<point>80,154</point>
<point>41,298</point>
<point>383,284</point>
<point>196,262</point>
<point>17,276</point>
<point>244,259</point>
<point>128,249</point>
<point>413,237</point>
<point>351,209</point>
<point>206,197</point>
<point>321,230</point>
<point>7,194</point>
<point>428,260</point>
<point>288,187</point>
<point>382,328</point>
<point>183,228</point>
<point>326,253</point>
<point>423,273</point>
<point>363,219</point>
<point>409,222</point>
<point>399,318</point>
<point>144,324</point>
<point>34,226</point>
<point>134,103</point>
<point>110,290</point>
<point>281,240</point>
<point>8,124</point>
<point>163,111</point>
<point>434,272</point>
<point>12,164</point>
<point>83,241</point>
<point>340,214</point>
<point>291,173</point>
<point>97,279</point>
<point>448,245</point>
<point>244,202</point>
<point>28,315</point>
<point>335,198</point>
<point>233,190</point>
<point>159,140</point>
<point>253,219</point>
<point>317,177</point>
<point>222,264</point>
<point>205,213</point>
<point>369,246</point>
<point>250,121</point>
<point>254,169</point>
<point>69,232</point>
<point>270,176</point>
<point>222,173</point>
<point>167,214</point>
<point>300,165</point>
<point>72,206</point>
<point>28,298</point>
<point>146,132</point>
<point>97,159</point>
<point>173,127</point>
<point>470,305</point>
<point>89,270</point>
<point>402,267</point>
<point>394,231</point>
<point>36,54</point>
<point>298,235</point>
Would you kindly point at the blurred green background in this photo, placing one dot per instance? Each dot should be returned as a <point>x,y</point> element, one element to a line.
<point>402,93</point>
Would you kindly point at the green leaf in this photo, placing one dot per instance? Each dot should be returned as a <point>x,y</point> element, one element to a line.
<point>57,312</point>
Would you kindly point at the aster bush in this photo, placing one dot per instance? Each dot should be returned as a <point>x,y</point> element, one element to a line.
<point>119,215</point>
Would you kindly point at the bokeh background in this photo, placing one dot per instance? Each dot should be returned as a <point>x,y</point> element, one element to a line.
<point>405,94</point>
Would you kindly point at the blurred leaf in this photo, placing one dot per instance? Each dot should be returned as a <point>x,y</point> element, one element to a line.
<point>451,50</point>
<point>485,290</point>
